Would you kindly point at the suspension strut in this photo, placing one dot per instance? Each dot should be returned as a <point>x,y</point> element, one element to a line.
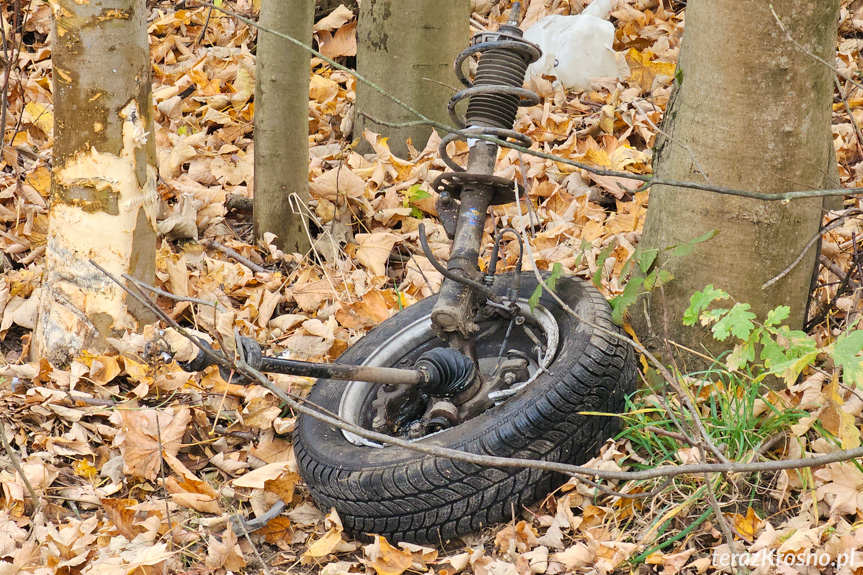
<point>465,195</point>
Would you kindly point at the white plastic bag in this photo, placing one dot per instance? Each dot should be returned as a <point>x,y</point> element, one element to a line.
<point>575,49</point>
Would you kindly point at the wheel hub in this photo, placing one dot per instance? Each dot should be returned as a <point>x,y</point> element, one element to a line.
<point>512,355</point>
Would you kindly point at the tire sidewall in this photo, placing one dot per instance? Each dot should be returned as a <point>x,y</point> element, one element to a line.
<point>327,445</point>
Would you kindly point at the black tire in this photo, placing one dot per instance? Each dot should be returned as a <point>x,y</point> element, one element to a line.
<point>408,496</point>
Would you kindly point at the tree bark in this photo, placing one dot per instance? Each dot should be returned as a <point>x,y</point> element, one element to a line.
<point>282,123</point>
<point>756,112</point>
<point>408,49</point>
<point>103,185</point>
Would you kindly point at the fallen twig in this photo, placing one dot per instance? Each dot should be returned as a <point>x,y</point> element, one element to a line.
<point>214,245</point>
<point>307,408</point>
<point>169,295</point>
<point>17,465</point>
<point>809,244</point>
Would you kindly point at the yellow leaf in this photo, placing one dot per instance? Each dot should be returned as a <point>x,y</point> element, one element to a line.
<point>643,72</point>
<point>40,179</point>
<point>389,560</point>
<point>244,87</point>
<point>748,525</point>
<point>606,119</point>
<point>103,368</point>
<point>136,371</point>
<point>325,545</point>
<point>40,116</point>
<point>83,468</point>
<point>597,158</point>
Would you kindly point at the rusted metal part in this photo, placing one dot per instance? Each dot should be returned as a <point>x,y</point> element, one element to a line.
<point>508,372</point>
<point>342,372</point>
<point>440,372</point>
<point>396,406</point>
<point>502,189</point>
<point>442,415</point>
<point>494,97</point>
<point>337,371</point>
<point>447,213</point>
<point>452,317</point>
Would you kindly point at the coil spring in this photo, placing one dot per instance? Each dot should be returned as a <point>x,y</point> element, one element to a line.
<point>494,95</point>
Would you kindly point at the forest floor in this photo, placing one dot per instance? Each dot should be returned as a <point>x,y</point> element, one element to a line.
<point>138,465</point>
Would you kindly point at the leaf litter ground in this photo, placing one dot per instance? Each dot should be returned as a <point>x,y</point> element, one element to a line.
<point>138,465</point>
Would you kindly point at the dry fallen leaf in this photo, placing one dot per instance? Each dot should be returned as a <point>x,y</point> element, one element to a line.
<point>386,559</point>
<point>748,525</point>
<point>644,70</point>
<point>224,553</point>
<point>142,432</point>
<point>374,250</point>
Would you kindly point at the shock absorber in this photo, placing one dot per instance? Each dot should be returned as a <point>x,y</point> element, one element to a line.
<point>465,195</point>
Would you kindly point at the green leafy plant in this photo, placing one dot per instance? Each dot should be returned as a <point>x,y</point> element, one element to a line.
<point>770,348</point>
<point>650,276</point>
<point>551,282</point>
<point>413,195</point>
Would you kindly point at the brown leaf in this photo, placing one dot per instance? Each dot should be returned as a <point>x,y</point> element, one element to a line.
<point>225,553</point>
<point>342,43</point>
<point>337,184</point>
<point>278,531</point>
<point>123,518</point>
<point>334,20</point>
<point>258,478</point>
<point>189,491</point>
<point>139,438</point>
<point>644,71</point>
<point>386,559</point>
<point>372,310</point>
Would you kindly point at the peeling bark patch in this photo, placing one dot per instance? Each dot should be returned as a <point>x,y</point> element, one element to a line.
<point>89,198</point>
<point>104,210</point>
<point>113,15</point>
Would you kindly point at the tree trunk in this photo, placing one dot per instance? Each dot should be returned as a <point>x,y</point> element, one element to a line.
<point>282,122</point>
<point>408,49</point>
<point>103,185</point>
<point>755,111</point>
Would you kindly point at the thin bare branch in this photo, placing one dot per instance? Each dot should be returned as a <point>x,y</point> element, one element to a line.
<point>214,245</point>
<point>808,245</point>
<point>174,297</point>
<point>301,406</point>
<point>423,120</point>
<point>17,465</point>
